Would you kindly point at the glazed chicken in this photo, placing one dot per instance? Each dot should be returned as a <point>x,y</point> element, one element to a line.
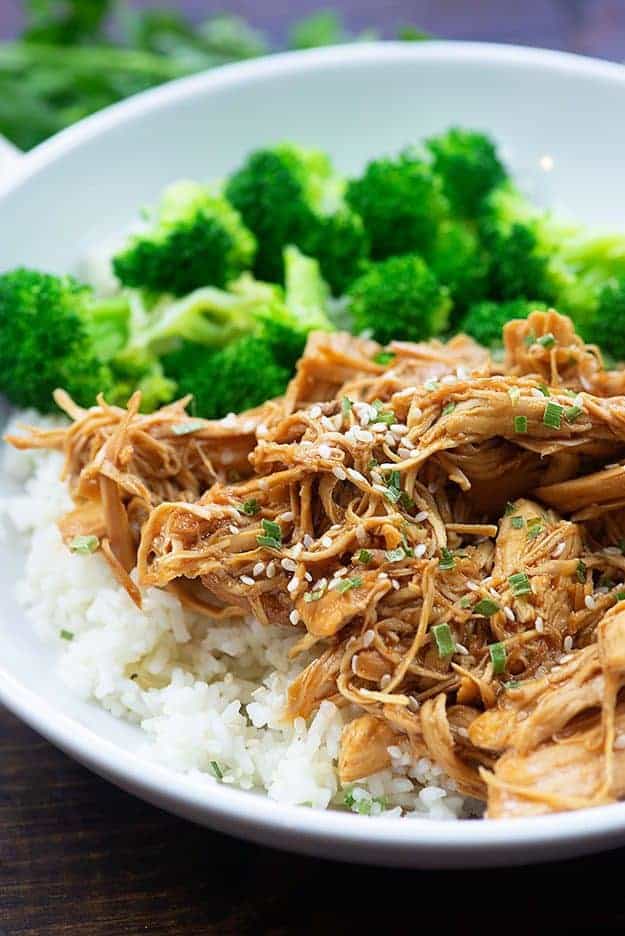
<point>444,532</point>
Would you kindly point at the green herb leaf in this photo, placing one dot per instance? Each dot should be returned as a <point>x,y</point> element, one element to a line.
<point>520,584</point>
<point>348,798</point>
<point>445,643</point>
<point>272,537</point>
<point>393,490</point>
<point>497,653</point>
<point>509,509</point>
<point>84,544</point>
<point>487,607</point>
<point>552,416</point>
<point>66,634</point>
<point>520,424</point>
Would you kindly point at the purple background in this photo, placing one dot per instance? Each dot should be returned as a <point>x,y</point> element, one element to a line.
<point>592,27</point>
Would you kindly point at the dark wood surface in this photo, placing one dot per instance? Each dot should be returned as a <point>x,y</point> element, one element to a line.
<point>78,856</point>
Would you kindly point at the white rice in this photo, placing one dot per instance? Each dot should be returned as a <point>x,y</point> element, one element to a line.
<point>209,696</point>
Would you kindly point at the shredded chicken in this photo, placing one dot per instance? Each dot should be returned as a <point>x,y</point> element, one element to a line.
<point>444,532</point>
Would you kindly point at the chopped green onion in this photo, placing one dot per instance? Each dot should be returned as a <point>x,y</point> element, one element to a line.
<point>449,408</point>
<point>314,595</point>
<point>365,556</point>
<point>553,415</point>
<point>520,584</point>
<point>216,769</point>
<point>515,394</point>
<point>348,798</point>
<point>66,635</point>
<point>445,643</point>
<point>431,384</point>
<point>512,684</point>
<point>580,572</point>
<point>186,428</point>
<point>393,489</point>
<point>84,544</point>
<point>346,406</point>
<point>620,595</point>
<point>520,424</point>
<point>498,657</point>
<point>372,463</point>
<point>547,341</point>
<point>395,555</point>
<point>447,562</point>
<point>571,413</point>
<point>534,527</point>
<point>544,389</point>
<point>349,583</point>
<point>406,500</point>
<point>384,357</point>
<point>273,535</point>
<point>529,340</point>
<point>509,509</point>
<point>606,582</point>
<point>487,607</point>
<point>250,508</point>
<point>466,601</point>
<point>517,523</point>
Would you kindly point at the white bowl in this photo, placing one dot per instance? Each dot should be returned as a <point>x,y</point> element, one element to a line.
<point>355,102</point>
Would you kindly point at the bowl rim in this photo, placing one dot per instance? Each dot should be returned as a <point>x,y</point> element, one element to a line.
<point>242,812</point>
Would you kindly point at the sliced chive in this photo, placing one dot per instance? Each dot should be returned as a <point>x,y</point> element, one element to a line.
<point>520,584</point>
<point>272,537</point>
<point>547,341</point>
<point>395,555</point>
<point>520,424</point>
<point>571,413</point>
<point>449,408</point>
<point>509,509</point>
<point>445,643</point>
<point>185,428</point>
<point>216,770</point>
<point>447,562</point>
<point>544,389</point>
<point>384,357</point>
<point>315,595</point>
<point>580,572</point>
<point>393,489</point>
<point>497,653</point>
<point>517,522</point>
<point>515,394</point>
<point>365,556</point>
<point>512,684</point>
<point>347,584</point>
<point>84,544</point>
<point>552,416</point>
<point>348,798</point>
<point>534,527</point>
<point>487,607</point>
<point>346,406</point>
<point>249,507</point>
<point>620,595</point>
<point>466,601</point>
<point>66,634</point>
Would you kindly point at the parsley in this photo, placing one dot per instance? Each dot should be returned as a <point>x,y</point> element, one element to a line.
<point>348,798</point>
<point>620,595</point>
<point>465,602</point>
<point>509,509</point>
<point>250,508</point>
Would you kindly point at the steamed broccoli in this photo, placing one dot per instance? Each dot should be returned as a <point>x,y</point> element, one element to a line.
<point>604,319</point>
<point>197,239</point>
<point>485,320</point>
<point>291,195</point>
<point>399,298</point>
<point>460,262</point>
<point>401,203</point>
<point>468,164</point>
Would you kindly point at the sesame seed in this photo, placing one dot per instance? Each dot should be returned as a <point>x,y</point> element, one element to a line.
<point>494,593</point>
<point>233,529</point>
<point>326,542</point>
<point>308,576</point>
<point>404,452</point>
<point>407,391</point>
<point>567,643</point>
<point>261,430</point>
<point>432,487</point>
<point>308,540</point>
<point>356,476</point>
<point>399,429</point>
<point>420,550</point>
<point>382,576</point>
<point>416,412</point>
<point>271,569</point>
<point>297,550</point>
<point>390,440</point>
<point>422,515</point>
<point>378,427</point>
<point>355,663</point>
<point>619,743</point>
<point>361,534</point>
<point>590,603</point>
<point>509,613</point>
<point>461,649</point>
<point>289,565</point>
<point>363,435</point>
<point>472,586</point>
<point>368,637</point>
<point>294,617</point>
<point>314,412</point>
<point>287,516</point>
<point>395,584</point>
<point>306,443</point>
<point>539,624</point>
<point>258,569</point>
<point>612,551</point>
<point>339,473</point>
<point>293,584</point>
<point>558,550</point>
<point>385,681</point>
<point>325,451</point>
<point>247,580</point>
<point>462,372</point>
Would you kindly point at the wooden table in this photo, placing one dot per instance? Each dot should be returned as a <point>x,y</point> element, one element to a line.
<point>77,856</point>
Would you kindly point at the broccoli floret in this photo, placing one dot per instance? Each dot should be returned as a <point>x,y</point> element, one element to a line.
<point>46,340</point>
<point>238,377</point>
<point>604,317</point>
<point>401,203</point>
<point>485,320</point>
<point>468,164</point>
<point>197,239</point>
<point>291,195</point>
<point>460,262</point>
<point>399,298</point>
